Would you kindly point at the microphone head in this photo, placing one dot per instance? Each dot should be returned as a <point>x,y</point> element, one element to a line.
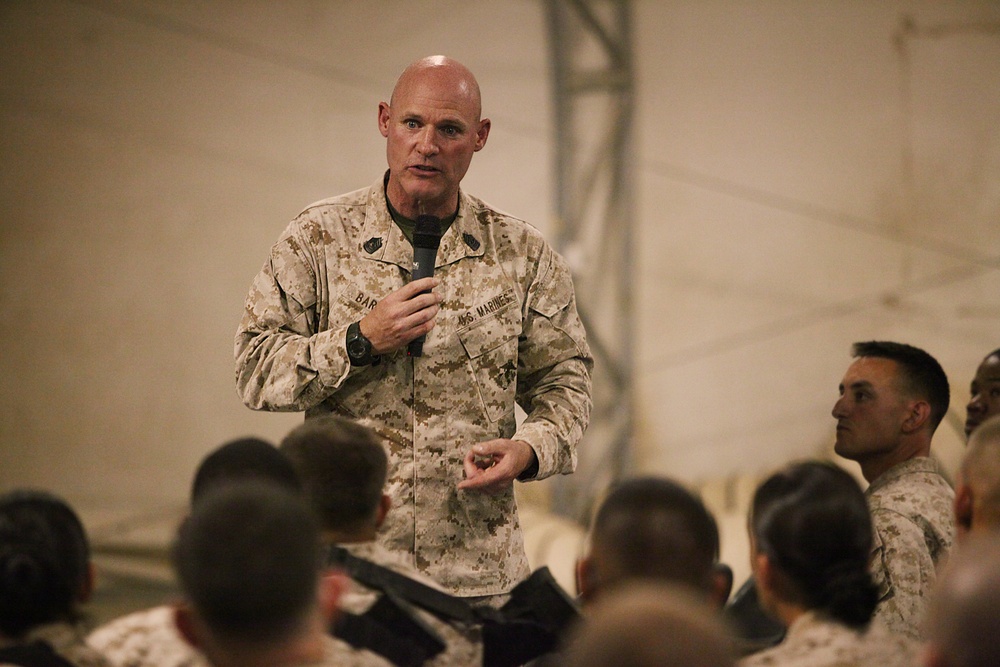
<point>427,233</point>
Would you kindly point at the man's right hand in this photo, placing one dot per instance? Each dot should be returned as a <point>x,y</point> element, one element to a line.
<point>402,316</point>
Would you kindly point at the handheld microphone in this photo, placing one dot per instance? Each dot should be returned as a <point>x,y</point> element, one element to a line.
<point>426,239</point>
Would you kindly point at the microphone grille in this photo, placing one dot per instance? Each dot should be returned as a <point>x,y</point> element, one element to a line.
<point>427,233</point>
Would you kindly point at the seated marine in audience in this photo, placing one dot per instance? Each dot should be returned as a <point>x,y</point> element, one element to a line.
<point>984,401</point>
<point>892,398</point>
<point>652,623</point>
<point>45,576</point>
<point>149,638</point>
<point>343,467</point>
<point>653,528</point>
<point>250,565</point>
<point>810,538</point>
<point>977,488</point>
<point>963,618</point>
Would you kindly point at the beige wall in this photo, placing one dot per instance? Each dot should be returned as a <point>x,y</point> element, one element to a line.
<point>153,151</point>
<point>804,182</point>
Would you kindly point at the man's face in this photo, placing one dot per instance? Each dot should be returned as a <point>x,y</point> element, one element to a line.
<point>871,409</point>
<point>432,129</point>
<point>985,390</point>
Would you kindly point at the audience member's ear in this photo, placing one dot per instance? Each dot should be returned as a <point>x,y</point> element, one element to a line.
<point>384,505</point>
<point>186,624</point>
<point>931,657</point>
<point>920,413</point>
<point>963,509</point>
<point>586,579</point>
<point>763,573</point>
<point>722,584</point>
<point>332,585</point>
<point>88,584</point>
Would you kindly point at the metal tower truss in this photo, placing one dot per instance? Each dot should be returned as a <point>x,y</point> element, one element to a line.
<point>593,93</point>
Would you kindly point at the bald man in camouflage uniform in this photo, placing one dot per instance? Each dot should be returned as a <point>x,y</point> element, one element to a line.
<point>329,317</point>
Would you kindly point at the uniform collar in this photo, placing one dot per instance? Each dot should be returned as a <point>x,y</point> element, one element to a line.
<point>918,464</point>
<point>382,240</point>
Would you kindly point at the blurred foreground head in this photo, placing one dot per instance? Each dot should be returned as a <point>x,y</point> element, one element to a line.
<point>652,527</point>
<point>963,620</point>
<point>977,487</point>
<point>650,624</point>
<point>44,562</point>
<point>250,565</point>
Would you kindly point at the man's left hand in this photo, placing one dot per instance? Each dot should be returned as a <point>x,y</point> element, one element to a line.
<point>492,466</point>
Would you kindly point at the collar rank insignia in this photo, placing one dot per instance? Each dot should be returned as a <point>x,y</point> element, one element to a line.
<point>471,241</point>
<point>372,244</point>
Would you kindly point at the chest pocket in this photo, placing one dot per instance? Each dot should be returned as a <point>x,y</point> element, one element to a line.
<point>491,346</point>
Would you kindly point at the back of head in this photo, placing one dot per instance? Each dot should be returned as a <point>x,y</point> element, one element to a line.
<point>922,375</point>
<point>963,616</point>
<point>248,558</point>
<point>342,466</point>
<point>654,528</point>
<point>812,521</point>
<point>650,624</point>
<point>44,561</point>
<point>243,459</point>
<point>980,470</point>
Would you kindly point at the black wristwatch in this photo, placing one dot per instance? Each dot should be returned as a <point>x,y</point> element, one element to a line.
<point>359,348</point>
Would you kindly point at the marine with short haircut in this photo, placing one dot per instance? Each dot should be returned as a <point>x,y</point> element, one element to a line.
<point>977,489</point>
<point>250,565</point>
<point>343,467</point>
<point>984,393</point>
<point>652,528</point>
<point>963,620</point>
<point>892,398</point>
<point>149,638</point>
<point>649,624</point>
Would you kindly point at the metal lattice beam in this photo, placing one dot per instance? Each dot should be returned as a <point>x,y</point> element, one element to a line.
<point>593,92</point>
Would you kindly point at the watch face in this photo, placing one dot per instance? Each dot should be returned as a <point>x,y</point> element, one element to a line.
<point>356,348</point>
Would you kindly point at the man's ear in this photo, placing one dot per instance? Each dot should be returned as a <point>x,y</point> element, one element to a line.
<point>918,416</point>
<point>383,118</point>
<point>963,508</point>
<point>931,656</point>
<point>88,583</point>
<point>763,571</point>
<point>332,585</point>
<point>186,624</point>
<point>384,505</point>
<point>721,584</point>
<point>482,133</point>
<point>586,578</point>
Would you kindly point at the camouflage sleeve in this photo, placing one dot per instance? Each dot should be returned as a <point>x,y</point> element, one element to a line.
<point>554,366</point>
<point>283,362</point>
<point>903,571</point>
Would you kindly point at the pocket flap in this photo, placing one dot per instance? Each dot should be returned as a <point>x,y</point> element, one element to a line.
<point>490,333</point>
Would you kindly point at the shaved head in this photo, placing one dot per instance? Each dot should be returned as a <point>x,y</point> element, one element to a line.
<point>447,70</point>
<point>648,624</point>
<point>433,126</point>
<point>980,472</point>
<point>963,619</point>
